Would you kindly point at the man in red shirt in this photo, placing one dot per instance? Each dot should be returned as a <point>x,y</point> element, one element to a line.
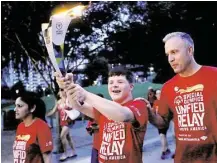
<point>122,122</point>
<point>190,99</point>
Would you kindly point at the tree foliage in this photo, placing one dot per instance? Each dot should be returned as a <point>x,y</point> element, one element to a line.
<point>122,32</point>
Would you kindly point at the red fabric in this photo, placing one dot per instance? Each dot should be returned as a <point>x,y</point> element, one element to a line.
<point>193,102</point>
<point>121,142</point>
<point>64,119</point>
<point>31,141</point>
<point>156,105</point>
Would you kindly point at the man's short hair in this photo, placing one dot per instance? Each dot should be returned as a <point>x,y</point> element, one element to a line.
<point>184,36</point>
<point>122,71</point>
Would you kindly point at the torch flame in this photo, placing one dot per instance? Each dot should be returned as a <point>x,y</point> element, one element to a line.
<point>76,11</point>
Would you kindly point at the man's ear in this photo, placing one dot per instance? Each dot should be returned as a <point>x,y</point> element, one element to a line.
<point>33,109</point>
<point>190,51</point>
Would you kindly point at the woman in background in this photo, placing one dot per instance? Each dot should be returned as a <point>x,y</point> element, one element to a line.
<point>65,123</point>
<point>33,142</point>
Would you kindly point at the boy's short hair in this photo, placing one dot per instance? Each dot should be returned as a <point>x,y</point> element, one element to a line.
<point>120,70</point>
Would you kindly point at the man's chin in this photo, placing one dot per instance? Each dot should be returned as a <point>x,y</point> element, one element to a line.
<point>176,71</point>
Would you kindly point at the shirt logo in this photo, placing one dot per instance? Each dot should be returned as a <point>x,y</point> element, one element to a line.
<point>23,137</point>
<point>203,137</point>
<point>198,87</point>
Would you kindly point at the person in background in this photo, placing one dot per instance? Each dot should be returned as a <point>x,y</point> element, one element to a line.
<point>162,132</point>
<point>65,123</point>
<point>33,142</point>
<point>93,129</point>
<point>151,96</point>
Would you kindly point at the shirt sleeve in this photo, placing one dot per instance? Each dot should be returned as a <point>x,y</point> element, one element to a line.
<point>163,109</point>
<point>140,112</point>
<point>44,137</point>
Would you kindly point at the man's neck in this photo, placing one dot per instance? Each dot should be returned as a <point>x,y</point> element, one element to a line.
<point>192,68</point>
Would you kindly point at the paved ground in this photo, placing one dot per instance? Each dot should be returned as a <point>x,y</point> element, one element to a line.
<point>83,144</point>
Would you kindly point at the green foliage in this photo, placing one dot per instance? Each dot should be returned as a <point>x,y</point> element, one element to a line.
<point>122,32</point>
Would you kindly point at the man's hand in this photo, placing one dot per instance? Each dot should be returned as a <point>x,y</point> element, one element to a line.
<point>75,95</point>
<point>146,101</point>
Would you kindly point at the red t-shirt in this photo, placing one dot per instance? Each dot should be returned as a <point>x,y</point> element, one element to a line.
<point>64,119</point>
<point>156,105</point>
<point>31,142</point>
<point>193,103</point>
<point>121,142</point>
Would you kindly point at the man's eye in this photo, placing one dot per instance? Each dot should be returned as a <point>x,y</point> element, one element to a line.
<point>174,51</point>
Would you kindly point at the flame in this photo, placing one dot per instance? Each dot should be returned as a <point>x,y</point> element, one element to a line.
<point>76,11</point>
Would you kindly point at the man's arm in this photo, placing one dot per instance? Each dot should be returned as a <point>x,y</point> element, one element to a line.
<point>157,120</point>
<point>154,118</point>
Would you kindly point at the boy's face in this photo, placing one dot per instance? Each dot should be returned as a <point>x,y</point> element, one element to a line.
<point>119,88</point>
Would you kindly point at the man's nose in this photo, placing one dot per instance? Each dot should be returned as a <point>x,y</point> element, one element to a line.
<point>171,58</point>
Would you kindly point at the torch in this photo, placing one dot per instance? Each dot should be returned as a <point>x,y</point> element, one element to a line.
<point>54,34</point>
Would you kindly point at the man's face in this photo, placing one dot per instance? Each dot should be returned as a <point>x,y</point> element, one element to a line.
<point>119,88</point>
<point>179,54</point>
<point>21,109</point>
